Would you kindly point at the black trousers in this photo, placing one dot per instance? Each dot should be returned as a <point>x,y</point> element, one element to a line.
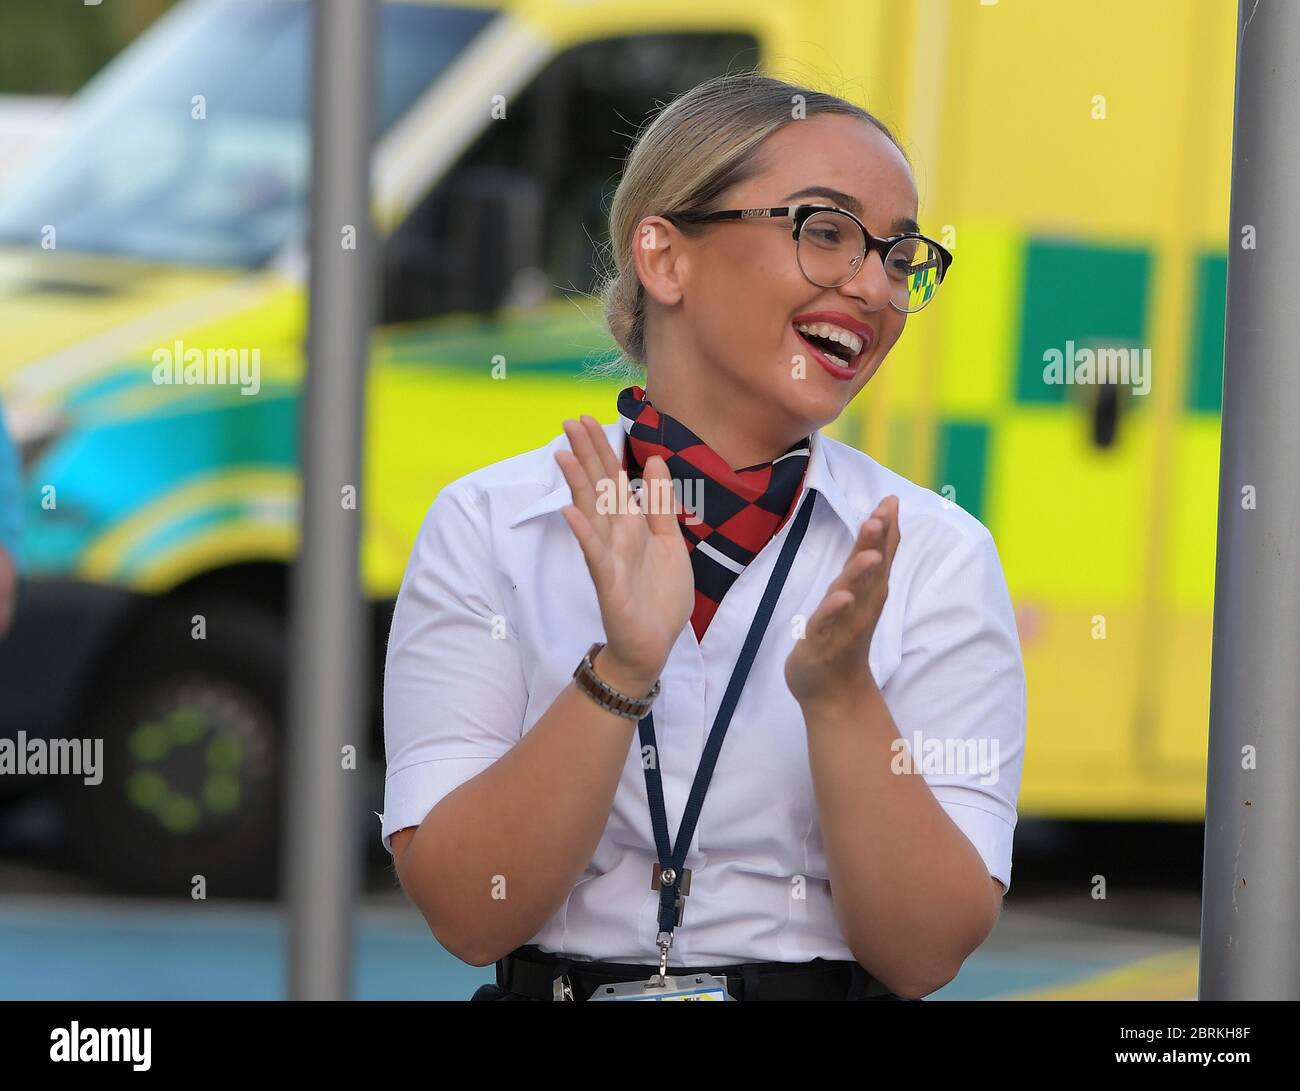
<point>495,992</point>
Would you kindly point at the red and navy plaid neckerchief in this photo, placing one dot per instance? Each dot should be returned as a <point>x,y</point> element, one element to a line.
<point>741,509</point>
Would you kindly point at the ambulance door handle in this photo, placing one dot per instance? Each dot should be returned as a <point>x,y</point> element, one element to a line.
<point>1105,415</point>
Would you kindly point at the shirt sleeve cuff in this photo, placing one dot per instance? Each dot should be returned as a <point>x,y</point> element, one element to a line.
<point>990,833</point>
<point>412,792</point>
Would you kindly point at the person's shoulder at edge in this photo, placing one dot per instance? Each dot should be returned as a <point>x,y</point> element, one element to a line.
<point>511,484</point>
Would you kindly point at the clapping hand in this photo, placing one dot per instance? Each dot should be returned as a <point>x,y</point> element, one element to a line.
<point>831,659</point>
<point>636,554</point>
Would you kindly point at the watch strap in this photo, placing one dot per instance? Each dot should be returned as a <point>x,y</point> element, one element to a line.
<point>605,695</point>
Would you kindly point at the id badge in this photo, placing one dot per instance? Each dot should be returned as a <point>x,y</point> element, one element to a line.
<point>691,987</point>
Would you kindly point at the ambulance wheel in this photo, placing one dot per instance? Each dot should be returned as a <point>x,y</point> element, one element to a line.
<point>191,762</point>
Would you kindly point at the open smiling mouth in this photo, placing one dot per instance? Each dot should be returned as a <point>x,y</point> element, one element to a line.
<point>838,350</point>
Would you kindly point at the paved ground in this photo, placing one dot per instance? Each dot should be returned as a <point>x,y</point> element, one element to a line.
<point>1049,944</point>
<point>62,937</point>
<point>1057,945</point>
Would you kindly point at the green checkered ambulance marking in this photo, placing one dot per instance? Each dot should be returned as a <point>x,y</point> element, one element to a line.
<point>1081,293</point>
<point>961,460</point>
<point>1205,376</point>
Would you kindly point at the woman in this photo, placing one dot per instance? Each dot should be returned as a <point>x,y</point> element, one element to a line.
<point>847,628</point>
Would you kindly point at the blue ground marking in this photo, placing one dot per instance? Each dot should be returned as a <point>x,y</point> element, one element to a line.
<point>206,952</point>
<point>987,975</point>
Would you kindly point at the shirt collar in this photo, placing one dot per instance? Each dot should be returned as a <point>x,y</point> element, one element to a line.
<point>819,477</point>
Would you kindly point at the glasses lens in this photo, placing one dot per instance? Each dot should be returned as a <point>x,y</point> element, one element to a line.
<point>913,269</point>
<point>831,248</point>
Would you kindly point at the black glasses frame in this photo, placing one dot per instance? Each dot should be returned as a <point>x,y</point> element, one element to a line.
<point>801,215</point>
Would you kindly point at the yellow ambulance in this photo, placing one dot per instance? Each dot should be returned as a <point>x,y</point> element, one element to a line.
<point>1074,155</point>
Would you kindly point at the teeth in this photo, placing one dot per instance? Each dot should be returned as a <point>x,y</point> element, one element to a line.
<point>850,341</point>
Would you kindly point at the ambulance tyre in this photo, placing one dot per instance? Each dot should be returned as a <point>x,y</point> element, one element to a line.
<point>192,769</point>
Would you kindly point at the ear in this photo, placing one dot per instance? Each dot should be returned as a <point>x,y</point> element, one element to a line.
<point>660,255</point>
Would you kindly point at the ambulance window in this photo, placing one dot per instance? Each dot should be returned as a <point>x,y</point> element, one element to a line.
<point>522,216</point>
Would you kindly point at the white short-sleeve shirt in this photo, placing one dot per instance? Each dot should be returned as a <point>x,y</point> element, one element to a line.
<point>497,607</point>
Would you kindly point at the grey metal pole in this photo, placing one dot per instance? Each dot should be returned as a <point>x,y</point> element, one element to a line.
<point>1250,920</point>
<point>329,630</point>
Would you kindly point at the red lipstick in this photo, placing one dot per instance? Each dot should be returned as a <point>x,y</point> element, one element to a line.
<point>844,322</point>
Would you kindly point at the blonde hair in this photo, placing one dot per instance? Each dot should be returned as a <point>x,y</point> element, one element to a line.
<point>698,146</point>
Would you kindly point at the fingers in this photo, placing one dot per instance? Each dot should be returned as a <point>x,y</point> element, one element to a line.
<point>600,444</point>
<point>889,506</point>
<point>597,457</point>
<point>594,550</point>
<point>869,569</point>
<point>867,551</point>
<point>881,529</point>
<point>867,566</point>
<point>584,493</point>
<point>590,467</point>
<point>861,575</point>
<point>585,452</point>
<point>598,471</point>
<point>829,612</point>
<point>658,484</point>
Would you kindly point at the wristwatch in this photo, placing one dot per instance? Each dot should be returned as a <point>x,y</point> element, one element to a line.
<point>605,695</point>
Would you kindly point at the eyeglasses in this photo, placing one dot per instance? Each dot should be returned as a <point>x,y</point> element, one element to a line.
<point>832,244</point>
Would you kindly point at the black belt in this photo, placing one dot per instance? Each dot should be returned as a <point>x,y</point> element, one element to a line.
<point>530,971</point>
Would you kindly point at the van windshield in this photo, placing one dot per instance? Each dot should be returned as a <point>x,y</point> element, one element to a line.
<point>193,146</point>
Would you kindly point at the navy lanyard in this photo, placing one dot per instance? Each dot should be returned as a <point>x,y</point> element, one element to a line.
<point>669,869</point>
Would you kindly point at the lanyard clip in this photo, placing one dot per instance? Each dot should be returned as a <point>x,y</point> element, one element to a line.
<point>665,941</point>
